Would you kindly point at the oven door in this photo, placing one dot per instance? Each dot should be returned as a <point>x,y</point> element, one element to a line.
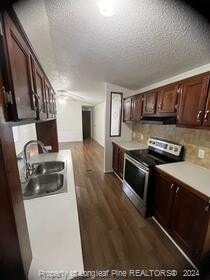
<point>136,177</point>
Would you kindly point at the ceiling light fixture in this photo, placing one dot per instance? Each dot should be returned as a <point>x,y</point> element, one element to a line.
<point>107,7</point>
<point>62,99</point>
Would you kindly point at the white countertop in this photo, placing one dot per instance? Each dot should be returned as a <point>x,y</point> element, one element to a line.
<point>191,174</point>
<point>54,226</point>
<point>130,145</point>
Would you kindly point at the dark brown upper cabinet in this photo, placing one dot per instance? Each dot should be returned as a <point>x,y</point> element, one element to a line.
<point>149,103</point>
<point>23,79</point>
<point>127,109</point>
<point>47,94</point>
<point>54,104</point>
<point>18,88</point>
<point>40,91</point>
<point>206,120</point>
<point>167,100</point>
<point>192,101</point>
<point>136,107</point>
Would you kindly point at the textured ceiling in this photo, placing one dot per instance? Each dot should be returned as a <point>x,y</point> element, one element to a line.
<point>146,41</point>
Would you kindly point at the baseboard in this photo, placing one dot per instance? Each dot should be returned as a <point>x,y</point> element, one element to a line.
<point>118,176</point>
<point>98,142</point>
<point>109,171</point>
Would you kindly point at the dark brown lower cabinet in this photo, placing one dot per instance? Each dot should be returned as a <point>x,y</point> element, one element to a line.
<point>163,200</point>
<point>121,162</point>
<point>184,215</point>
<point>189,221</point>
<point>118,160</point>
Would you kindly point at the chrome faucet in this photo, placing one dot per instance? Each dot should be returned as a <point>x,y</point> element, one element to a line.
<point>28,166</point>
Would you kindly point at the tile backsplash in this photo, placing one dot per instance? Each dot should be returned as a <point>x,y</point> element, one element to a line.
<point>192,139</point>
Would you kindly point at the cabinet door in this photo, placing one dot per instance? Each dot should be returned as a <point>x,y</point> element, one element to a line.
<point>39,82</point>
<point>115,159</point>
<point>127,109</point>
<point>47,94</point>
<point>21,74</point>
<point>54,105</point>
<point>189,221</point>
<point>192,101</point>
<point>206,121</point>
<point>167,100</point>
<point>163,199</point>
<point>121,162</point>
<point>50,101</point>
<point>149,103</point>
<point>136,107</point>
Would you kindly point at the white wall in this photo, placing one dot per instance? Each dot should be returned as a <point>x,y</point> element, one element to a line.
<point>126,129</point>
<point>69,121</point>
<point>98,121</point>
<point>23,134</point>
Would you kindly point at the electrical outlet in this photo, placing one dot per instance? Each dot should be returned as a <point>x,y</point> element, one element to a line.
<point>201,153</point>
<point>142,136</point>
<point>49,148</point>
<point>134,134</point>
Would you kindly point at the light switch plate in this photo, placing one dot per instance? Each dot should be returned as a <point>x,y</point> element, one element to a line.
<point>201,153</point>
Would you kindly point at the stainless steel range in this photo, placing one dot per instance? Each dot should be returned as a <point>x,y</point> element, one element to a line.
<point>138,170</point>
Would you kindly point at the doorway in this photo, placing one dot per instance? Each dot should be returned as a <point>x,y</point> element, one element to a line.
<point>86,124</point>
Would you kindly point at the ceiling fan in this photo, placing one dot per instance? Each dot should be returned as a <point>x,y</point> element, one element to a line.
<point>70,96</point>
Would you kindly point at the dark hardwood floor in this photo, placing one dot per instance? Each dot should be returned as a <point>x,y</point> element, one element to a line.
<point>114,234</point>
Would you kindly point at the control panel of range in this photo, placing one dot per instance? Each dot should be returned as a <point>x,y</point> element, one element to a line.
<point>165,146</point>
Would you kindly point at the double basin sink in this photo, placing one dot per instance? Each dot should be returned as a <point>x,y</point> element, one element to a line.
<point>47,178</point>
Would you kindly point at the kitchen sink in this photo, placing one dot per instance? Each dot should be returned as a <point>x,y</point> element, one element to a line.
<point>48,167</point>
<point>46,179</point>
<point>44,185</point>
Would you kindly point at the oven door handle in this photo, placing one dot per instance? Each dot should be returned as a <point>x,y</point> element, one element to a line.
<point>137,164</point>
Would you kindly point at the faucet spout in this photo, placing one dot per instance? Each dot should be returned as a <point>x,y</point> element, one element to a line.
<point>28,167</point>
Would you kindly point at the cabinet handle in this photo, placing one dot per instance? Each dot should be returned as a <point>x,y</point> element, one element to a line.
<point>206,115</point>
<point>38,107</point>
<point>198,115</point>
<point>206,208</point>
<point>171,187</point>
<point>177,190</point>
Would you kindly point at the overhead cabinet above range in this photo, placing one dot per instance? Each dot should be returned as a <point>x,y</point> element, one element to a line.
<point>167,100</point>
<point>24,89</point>
<point>149,103</point>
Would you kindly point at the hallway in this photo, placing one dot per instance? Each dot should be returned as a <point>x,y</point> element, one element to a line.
<point>114,234</point>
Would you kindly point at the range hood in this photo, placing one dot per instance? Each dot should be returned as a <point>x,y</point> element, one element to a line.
<point>158,120</point>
